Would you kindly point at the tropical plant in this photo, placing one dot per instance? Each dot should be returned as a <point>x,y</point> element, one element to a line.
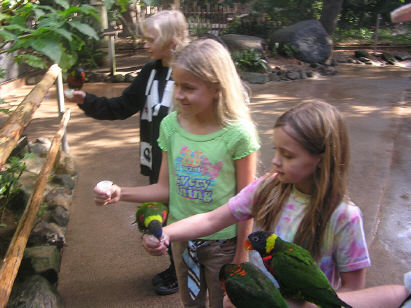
<point>41,35</point>
<point>9,180</point>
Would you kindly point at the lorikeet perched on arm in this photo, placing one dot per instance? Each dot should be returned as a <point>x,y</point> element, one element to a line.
<point>76,79</point>
<point>295,270</point>
<point>150,218</point>
<point>247,286</point>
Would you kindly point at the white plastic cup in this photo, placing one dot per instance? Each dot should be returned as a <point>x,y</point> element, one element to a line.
<point>69,94</point>
<point>104,185</point>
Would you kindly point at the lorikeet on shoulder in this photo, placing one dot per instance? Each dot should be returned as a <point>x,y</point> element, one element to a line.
<point>297,273</point>
<point>247,286</point>
<point>76,78</point>
<point>150,218</point>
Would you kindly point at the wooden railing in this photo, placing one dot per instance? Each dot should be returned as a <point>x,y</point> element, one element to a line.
<point>9,135</point>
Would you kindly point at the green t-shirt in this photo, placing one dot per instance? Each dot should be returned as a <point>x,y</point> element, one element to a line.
<point>202,173</point>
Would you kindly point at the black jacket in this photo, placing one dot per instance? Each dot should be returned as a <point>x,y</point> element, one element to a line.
<point>133,100</point>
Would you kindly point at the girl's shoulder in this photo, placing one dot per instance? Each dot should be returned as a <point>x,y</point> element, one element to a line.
<point>241,129</point>
<point>346,213</point>
<point>243,137</point>
<point>169,124</point>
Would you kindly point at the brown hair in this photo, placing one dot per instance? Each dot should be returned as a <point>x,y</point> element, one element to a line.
<point>320,128</point>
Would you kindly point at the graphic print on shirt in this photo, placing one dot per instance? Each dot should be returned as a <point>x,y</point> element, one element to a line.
<point>152,108</point>
<point>196,175</point>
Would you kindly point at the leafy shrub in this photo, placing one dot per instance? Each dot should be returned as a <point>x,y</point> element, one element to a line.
<point>9,180</point>
<point>250,61</point>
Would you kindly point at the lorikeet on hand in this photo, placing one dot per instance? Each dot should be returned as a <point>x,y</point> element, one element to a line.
<point>150,218</point>
<point>76,78</point>
<point>247,286</point>
<point>297,273</point>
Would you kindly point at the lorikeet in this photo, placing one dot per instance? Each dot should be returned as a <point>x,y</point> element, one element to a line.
<point>292,266</point>
<point>247,286</point>
<point>76,78</point>
<point>150,218</point>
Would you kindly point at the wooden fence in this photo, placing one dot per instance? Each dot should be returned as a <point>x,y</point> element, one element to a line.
<point>202,16</point>
<point>206,17</point>
<point>9,135</point>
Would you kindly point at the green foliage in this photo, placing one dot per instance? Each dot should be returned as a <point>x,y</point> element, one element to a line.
<point>355,14</point>
<point>197,27</point>
<point>286,12</point>
<point>367,36</point>
<point>250,61</point>
<point>287,50</point>
<point>9,179</point>
<point>44,34</point>
<point>253,24</point>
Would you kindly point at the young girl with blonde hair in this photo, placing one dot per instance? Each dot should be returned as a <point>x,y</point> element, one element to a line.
<point>150,94</point>
<point>303,199</point>
<point>209,154</point>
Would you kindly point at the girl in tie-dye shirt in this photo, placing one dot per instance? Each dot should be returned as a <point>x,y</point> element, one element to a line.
<point>303,199</point>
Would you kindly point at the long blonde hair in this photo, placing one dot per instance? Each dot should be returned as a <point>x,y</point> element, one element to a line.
<point>210,61</point>
<point>169,25</point>
<point>320,128</point>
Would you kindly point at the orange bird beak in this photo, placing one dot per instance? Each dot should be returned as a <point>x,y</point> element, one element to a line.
<point>247,245</point>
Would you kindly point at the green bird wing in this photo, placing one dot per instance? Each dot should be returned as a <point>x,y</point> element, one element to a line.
<point>300,277</point>
<point>247,286</point>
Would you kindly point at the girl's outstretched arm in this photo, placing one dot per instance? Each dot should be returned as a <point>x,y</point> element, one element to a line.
<point>191,228</point>
<point>200,225</point>
<point>354,280</point>
<point>385,296</point>
<point>155,192</point>
<point>245,174</point>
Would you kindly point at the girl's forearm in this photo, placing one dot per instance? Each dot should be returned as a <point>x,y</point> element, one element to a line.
<point>385,296</point>
<point>200,225</point>
<point>244,228</point>
<point>154,192</point>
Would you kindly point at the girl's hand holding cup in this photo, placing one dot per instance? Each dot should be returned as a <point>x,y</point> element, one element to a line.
<point>105,192</point>
<point>155,246</point>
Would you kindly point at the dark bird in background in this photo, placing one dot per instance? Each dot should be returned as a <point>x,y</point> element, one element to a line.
<point>297,273</point>
<point>76,78</point>
<point>247,286</point>
<point>150,218</point>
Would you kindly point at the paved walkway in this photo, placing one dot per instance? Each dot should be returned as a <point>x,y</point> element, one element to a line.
<point>103,264</point>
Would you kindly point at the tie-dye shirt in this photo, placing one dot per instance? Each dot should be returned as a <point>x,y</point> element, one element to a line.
<point>202,173</point>
<point>344,248</point>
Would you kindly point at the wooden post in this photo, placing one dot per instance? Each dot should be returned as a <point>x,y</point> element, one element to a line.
<point>21,117</point>
<point>11,262</point>
<point>376,33</point>
<point>60,101</point>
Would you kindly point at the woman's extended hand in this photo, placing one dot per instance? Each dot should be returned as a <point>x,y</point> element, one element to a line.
<point>104,197</point>
<point>154,246</point>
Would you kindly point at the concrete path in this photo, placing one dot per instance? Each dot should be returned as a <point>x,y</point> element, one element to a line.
<point>104,265</point>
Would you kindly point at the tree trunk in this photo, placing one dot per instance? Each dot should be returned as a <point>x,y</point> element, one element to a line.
<point>329,14</point>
